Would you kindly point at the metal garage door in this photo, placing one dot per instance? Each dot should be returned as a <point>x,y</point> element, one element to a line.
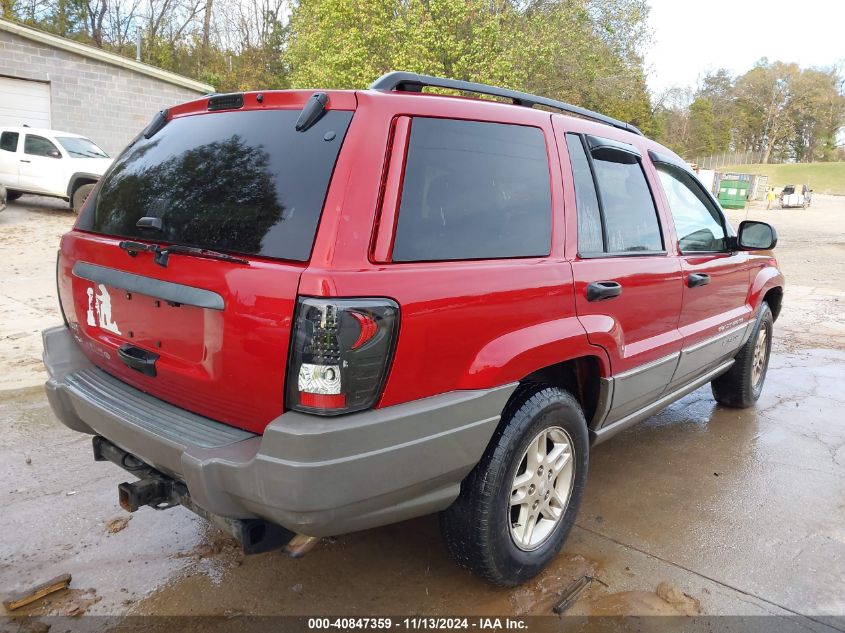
<point>24,102</point>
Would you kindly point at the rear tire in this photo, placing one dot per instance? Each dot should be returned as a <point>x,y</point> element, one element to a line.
<point>742,384</point>
<point>80,196</point>
<point>489,528</point>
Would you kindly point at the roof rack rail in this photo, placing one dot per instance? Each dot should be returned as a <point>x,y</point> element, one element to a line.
<point>412,82</point>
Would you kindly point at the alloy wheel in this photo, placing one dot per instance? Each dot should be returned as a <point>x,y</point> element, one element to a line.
<point>541,488</point>
<point>758,365</point>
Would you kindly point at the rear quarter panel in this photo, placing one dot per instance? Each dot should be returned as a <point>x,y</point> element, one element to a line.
<point>465,324</point>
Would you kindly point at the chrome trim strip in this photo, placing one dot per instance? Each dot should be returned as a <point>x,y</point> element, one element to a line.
<point>701,344</point>
<point>645,367</point>
<point>609,431</point>
<point>166,290</point>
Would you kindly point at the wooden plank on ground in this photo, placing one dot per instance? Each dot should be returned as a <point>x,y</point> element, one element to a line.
<point>24,598</point>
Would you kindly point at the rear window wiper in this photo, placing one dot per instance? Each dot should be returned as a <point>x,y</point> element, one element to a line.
<point>161,254</point>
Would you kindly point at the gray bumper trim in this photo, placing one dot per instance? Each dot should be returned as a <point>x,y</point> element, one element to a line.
<point>310,474</point>
<point>159,418</point>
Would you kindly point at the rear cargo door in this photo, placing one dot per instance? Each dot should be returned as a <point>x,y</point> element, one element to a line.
<point>206,331</point>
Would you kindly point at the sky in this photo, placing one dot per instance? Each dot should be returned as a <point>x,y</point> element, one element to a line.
<point>691,38</point>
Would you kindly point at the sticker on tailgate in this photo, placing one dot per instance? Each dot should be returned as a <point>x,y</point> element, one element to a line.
<point>99,309</point>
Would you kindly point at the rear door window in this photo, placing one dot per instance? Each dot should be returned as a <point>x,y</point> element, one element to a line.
<point>629,211</point>
<point>613,197</point>
<point>9,141</point>
<point>590,239</point>
<point>473,190</point>
<point>243,181</point>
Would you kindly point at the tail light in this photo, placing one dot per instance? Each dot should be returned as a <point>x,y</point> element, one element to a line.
<point>340,353</point>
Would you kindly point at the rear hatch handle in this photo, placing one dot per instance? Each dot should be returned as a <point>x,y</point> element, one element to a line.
<point>138,359</point>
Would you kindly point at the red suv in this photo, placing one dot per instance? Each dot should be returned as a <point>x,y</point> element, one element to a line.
<point>313,313</point>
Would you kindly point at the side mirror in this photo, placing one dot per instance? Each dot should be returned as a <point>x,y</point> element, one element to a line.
<point>54,153</point>
<point>756,236</point>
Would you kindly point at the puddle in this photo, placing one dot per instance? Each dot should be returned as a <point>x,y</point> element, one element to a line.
<point>746,498</point>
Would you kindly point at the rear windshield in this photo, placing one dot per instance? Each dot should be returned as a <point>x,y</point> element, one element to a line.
<point>245,182</point>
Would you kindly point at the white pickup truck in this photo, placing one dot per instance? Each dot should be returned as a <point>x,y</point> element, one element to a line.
<point>49,163</point>
<point>794,196</point>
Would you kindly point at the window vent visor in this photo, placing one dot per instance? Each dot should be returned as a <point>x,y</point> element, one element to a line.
<point>341,354</point>
<point>233,101</point>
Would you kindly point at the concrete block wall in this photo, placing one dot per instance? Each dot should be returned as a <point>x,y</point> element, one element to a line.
<point>104,102</point>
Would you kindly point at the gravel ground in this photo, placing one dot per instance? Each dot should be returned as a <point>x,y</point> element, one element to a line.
<point>741,511</point>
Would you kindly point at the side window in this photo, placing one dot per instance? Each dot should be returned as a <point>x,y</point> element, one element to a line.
<point>9,141</point>
<point>630,216</point>
<point>39,146</point>
<point>698,224</point>
<point>473,190</point>
<point>616,211</point>
<point>590,238</point>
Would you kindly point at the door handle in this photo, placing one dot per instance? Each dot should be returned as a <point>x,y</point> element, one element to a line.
<point>698,279</point>
<point>138,359</point>
<point>25,161</point>
<point>603,290</point>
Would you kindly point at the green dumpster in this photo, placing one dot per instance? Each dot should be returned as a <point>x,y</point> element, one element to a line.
<point>733,194</point>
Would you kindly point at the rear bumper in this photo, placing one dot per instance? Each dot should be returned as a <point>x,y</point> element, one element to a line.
<point>314,475</point>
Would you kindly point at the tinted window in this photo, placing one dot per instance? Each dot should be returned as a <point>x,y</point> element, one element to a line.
<point>589,219</point>
<point>243,181</point>
<point>630,216</point>
<point>473,191</point>
<point>697,223</point>
<point>9,141</point>
<point>39,146</point>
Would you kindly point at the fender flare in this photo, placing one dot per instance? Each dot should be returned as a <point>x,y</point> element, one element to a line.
<point>79,176</point>
<point>512,356</point>
<point>767,278</point>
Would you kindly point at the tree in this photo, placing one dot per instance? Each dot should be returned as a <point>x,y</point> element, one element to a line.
<point>583,51</point>
<point>702,125</point>
<point>817,115</point>
<point>776,110</point>
<point>670,114</point>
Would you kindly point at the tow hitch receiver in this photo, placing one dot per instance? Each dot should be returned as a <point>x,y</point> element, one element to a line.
<point>157,490</point>
<point>153,488</point>
<point>153,492</point>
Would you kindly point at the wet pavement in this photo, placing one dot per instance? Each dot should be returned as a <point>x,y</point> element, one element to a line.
<point>699,509</point>
<point>742,510</point>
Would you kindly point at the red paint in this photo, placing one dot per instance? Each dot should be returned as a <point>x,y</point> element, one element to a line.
<point>463,325</point>
<point>385,225</point>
